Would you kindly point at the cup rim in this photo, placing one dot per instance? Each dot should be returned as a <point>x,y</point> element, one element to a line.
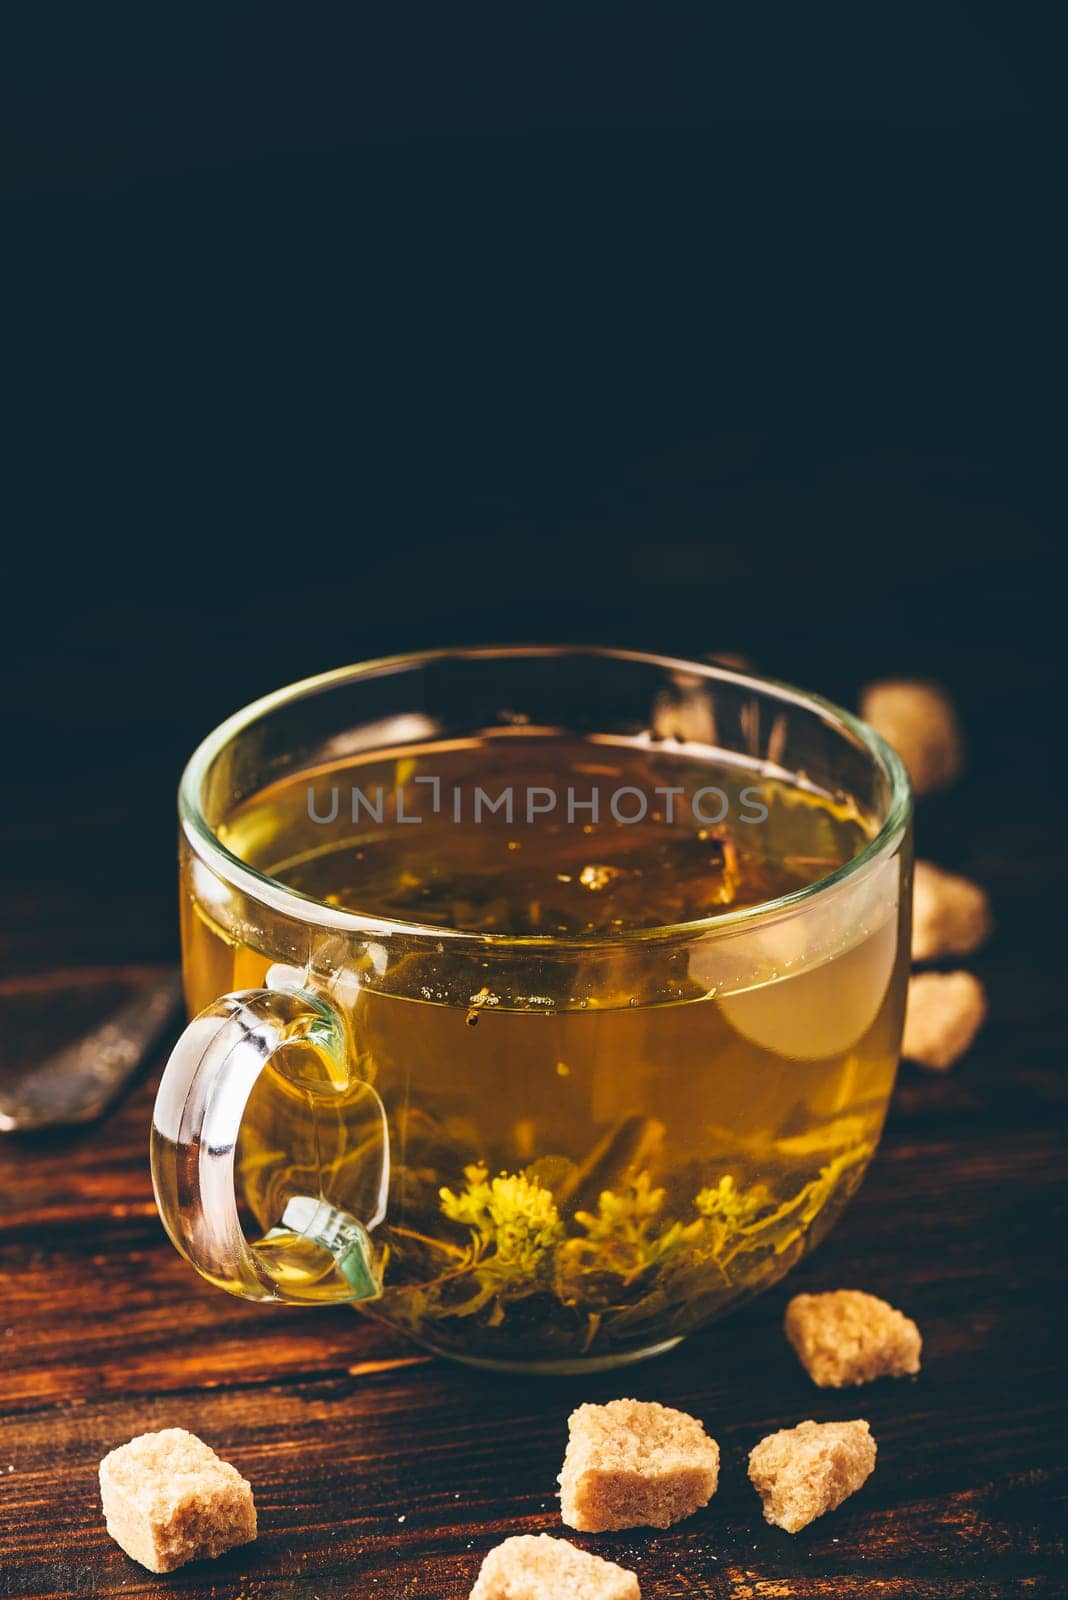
<point>282,898</point>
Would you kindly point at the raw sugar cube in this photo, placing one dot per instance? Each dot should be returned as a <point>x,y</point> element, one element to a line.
<point>799,1473</point>
<point>169,1499</point>
<point>919,721</point>
<point>944,1013</point>
<point>634,1463</point>
<point>850,1337</point>
<point>950,914</point>
<point>542,1568</point>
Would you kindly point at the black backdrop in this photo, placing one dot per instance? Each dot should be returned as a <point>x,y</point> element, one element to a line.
<point>330,345</point>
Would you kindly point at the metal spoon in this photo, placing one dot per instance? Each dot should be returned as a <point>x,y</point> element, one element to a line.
<point>81,1080</point>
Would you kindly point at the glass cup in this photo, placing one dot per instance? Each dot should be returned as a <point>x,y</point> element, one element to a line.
<point>530,1148</point>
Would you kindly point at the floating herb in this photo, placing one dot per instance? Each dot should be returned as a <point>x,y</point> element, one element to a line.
<point>626,1262</point>
<point>624,1238</point>
<point>514,1226</point>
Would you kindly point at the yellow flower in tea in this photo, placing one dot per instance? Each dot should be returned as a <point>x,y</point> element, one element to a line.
<point>629,1210</point>
<point>729,1204</point>
<point>624,1236</point>
<point>738,1221</point>
<point>510,1215</point>
<point>629,1259</point>
<point>471,1205</point>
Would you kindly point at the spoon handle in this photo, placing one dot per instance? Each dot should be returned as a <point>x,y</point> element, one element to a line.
<point>80,1081</point>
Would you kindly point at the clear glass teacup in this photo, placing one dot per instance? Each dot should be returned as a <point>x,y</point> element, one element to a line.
<point>547,1002</point>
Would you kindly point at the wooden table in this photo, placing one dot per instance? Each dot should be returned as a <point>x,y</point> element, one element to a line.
<point>381,1472</point>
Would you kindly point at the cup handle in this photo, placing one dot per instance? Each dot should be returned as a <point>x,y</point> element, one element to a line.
<point>201,1100</point>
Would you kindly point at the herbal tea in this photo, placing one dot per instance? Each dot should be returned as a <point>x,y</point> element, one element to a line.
<point>586,1158</point>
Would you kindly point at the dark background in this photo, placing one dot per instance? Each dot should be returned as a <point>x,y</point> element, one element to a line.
<point>686,334</point>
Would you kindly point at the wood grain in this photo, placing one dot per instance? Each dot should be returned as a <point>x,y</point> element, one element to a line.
<point>381,1472</point>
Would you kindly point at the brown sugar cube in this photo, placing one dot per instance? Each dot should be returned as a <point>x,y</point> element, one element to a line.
<point>542,1568</point>
<point>850,1337</point>
<point>944,1013</point>
<point>799,1473</point>
<point>169,1499</point>
<point>950,915</point>
<point>635,1464</point>
<point>919,721</point>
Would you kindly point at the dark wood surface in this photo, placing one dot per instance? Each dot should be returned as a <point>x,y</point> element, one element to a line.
<point>379,1471</point>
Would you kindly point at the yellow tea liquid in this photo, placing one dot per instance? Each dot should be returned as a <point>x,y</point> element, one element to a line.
<point>587,1156</point>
